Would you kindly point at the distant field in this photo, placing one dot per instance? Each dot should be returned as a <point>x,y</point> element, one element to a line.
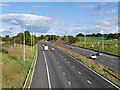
<point>14,71</point>
<point>110,46</point>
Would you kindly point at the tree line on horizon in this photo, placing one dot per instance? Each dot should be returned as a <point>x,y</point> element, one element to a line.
<point>19,39</point>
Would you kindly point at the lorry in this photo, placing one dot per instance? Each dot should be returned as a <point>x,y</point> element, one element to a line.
<point>45,48</point>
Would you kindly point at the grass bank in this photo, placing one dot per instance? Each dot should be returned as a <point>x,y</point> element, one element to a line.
<point>94,66</point>
<point>14,71</point>
<point>95,43</point>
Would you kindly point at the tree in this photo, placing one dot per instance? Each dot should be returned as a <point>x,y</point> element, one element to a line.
<point>80,35</point>
<point>70,38</point>
<point>75,39</point>
<point>7,36</point>
<point>27,38</point>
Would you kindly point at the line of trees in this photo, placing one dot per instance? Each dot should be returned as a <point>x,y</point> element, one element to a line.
<point>19,39</point>
<point>107,36</point>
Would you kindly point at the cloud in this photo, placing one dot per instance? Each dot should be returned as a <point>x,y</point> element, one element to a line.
<point>102,5</point>
<point>107,21</point>
<point>88,6</point>
<point>39,23</point>
<point>40,6</point>
<point>6,5</point>
<point>95,14</point>
<point>111,12</point>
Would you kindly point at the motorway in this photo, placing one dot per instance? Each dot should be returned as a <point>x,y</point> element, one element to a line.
<point>56,69</point>
<point>106,60</point>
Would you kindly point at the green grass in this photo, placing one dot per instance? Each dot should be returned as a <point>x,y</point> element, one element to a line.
<point>110,46</point>
<point>14,71</point>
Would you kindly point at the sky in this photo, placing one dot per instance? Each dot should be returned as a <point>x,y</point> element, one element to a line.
<point>59,18</point>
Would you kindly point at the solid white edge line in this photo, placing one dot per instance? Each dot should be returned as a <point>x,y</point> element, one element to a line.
<point>33,69</point>
<point>48,75</point>
<point>92,70</point>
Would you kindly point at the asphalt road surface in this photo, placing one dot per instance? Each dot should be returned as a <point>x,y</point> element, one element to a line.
<point>56,69</point>
<point>106,60</point>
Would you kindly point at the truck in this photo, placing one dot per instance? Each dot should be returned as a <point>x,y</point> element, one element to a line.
<point>45,48</point>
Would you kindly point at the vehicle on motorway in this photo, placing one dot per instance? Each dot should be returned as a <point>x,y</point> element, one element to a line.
<point>52,49</point>
<point>93,56</point>
<point>45,48</point>
<point>71,47</point>
<point>99,53</point>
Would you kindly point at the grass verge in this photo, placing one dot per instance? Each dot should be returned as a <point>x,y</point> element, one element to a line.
<point>30,75</point>
<point>14,71</point>
<point>94,66</point>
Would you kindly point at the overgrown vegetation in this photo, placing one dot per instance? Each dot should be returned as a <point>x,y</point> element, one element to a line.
<point>14,70</point>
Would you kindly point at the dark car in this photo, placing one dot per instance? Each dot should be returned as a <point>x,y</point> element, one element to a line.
<point>98,53</point>
<point>71,47</point>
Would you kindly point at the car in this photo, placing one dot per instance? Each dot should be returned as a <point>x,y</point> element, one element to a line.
<point>71,47</point>
<point>52,49</point>
<point>99,53</point>
<point>93,56</point>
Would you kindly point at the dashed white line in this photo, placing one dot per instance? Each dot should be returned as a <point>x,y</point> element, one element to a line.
<point>57,62</point>
<point>68,62</point>
<point>69,82</point>
<point>60,67</point>
<point>88,81</point>
<point>79,72</point>
<point>101,60</point>
<point>113,60</point>
<point>73,66</point>
<point>63,73</point>
<point>65,59</point>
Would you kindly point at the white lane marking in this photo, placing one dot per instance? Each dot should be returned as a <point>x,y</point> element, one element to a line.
<point>68,62</point>
<point>62,56</point>
<point>57,62</point>
<point>60,67</point>
<point>79,72</point>
<point>88,81</point>
<point>63,73</point>
<point>48,75</point>
<point>73,66</point>
<point>65,59</point>
<point>113,60</point>
<point>101,60</point>
<point>69,82</point>
<point>92,70</point>
<point>55,59</point>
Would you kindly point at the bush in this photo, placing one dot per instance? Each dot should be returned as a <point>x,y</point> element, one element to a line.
<point>4,51</point>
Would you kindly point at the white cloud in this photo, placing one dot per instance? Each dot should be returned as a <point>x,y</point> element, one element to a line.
<point>95,14</point>
<point>111,12</point>
<point>103,5</point>
<point>107,22</point>
<point>37,6</point>
<point>39,23</point>
<point>6,5</point>
<point>88,6</point>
